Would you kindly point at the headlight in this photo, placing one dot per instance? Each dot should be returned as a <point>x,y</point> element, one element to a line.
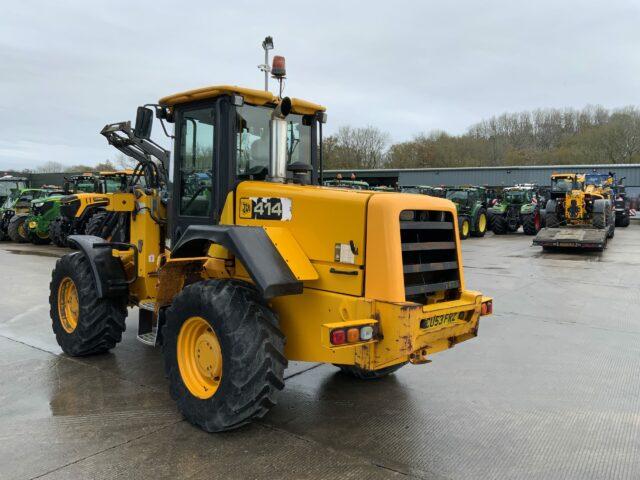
<point>38,205</point>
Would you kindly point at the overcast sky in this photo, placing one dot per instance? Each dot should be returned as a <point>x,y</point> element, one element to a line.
<point>70,67</point>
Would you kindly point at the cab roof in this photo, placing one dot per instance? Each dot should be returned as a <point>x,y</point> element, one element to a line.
<point>250,95</point>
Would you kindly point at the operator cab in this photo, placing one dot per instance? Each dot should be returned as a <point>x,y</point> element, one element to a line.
<point>224,135</point>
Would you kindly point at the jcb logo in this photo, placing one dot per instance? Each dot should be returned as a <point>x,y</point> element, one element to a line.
<point>246,208</point>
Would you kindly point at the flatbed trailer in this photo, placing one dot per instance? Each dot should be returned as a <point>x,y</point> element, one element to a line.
<point>572,237</point>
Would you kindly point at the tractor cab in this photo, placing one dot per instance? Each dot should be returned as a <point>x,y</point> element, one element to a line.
<point>227,134</point>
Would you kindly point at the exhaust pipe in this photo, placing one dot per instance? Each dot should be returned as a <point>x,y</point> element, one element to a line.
<point>278,142</point>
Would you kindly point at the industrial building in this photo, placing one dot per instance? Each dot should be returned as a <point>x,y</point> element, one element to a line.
<point>490,176</point>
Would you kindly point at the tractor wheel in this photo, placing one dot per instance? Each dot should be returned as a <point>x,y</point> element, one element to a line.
<point>480,224</point>
<point>39,238</point>
<point>83,323</point>
<point>499,225</point>
<point>464,227</point>
<point>625,221</point>
<point>531,223</point>
<point>363,374</point>
<point>600,220</point>
<point>17,229</point>
<point>551,220</point>
<point>95,225</point>
<point>223,354</point>
<point>57,233</point>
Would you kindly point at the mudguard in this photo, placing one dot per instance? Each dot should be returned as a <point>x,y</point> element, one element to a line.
<point>252,246</point>
<point>108,272</point>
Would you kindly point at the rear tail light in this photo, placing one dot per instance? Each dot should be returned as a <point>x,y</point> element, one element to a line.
<point>341,336</point>
<point>366,333</point>
<point>353,335</point>
<point>487,308</point>
<point>338,337</point>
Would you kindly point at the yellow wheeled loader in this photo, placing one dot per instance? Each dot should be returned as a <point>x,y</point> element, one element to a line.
<point>253,263</point>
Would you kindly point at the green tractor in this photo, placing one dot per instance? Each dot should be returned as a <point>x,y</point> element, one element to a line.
<point>517,206</point>
<point>425,190</point>
<point>471,204</point>
<point>45,210</point>
<point>15,211</point>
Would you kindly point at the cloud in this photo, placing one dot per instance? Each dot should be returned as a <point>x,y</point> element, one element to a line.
<point>70,67</point>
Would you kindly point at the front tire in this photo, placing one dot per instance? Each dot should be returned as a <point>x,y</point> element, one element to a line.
<point>83,323</point>
<point>531,223</point>
<point>499,225</point>
<point>223,354</point>
<point>480,224</point>
<point>17,229</point>
<point>464,227</point>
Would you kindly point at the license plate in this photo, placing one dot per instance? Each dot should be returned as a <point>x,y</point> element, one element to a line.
<point>440,320</point>
<point>33,224</point>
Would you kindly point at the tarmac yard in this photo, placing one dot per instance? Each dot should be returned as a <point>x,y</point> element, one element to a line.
<point>549,389</point>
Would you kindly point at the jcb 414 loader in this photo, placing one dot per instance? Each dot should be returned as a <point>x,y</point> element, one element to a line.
<point>253,263</point>
<point>577,215</point>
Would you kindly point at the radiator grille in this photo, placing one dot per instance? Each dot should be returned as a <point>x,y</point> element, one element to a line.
<point>429,255</point>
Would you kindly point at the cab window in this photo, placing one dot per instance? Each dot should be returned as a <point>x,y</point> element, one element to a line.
<point>196,162</point>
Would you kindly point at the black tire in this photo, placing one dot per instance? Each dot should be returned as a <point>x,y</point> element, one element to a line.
<point>600,220</point>
<point>625,221</point>
<point>252,349</point>
<point>499,225</point>
<point>476,231</point>
<point>56,232</point>
<point>551,220</point>
<point>100,321</point>
<point>95,225</point>
<point>529,225</point>
<point>38,240</point>
<point>362,374</point>
<point>462,220</point>
<point>17,229</point>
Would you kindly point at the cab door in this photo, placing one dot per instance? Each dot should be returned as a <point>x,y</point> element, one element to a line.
<point>194,199</point>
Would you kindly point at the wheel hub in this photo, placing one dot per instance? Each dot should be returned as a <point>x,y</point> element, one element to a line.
<point>68,305</point>
<point>199,357</point>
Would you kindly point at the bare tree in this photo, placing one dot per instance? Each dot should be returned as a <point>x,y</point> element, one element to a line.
<point>50,167</point>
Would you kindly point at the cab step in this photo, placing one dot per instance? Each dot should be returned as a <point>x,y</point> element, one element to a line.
<point>147,323</point>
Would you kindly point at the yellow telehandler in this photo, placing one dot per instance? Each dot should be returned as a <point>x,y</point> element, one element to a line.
<point>252,262</point>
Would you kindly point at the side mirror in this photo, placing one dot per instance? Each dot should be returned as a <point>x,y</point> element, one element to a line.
<point>144,122</point>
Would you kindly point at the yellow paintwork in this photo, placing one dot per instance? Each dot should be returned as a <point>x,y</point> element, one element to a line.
<point>199,357</point>
<point>250,95</point>
<point>291,252</point>
<point>385,278</point>
<point>575,201</point>
<point>68,305</point>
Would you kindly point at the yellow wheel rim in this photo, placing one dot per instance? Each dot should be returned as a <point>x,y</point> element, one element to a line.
<point>68,305</point>
<point>465,228</point>
<point>22,230</point>
<point>199,357</point>
<point>42,235</point>
<point>482,223</point>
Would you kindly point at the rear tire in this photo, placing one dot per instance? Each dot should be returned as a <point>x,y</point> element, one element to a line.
<point>56,232</point>
<point>625,221</point>
<point>99,322</point>
<point>499,225</point>
<point>362,374</point>
<point>95,225</point>
<point>17,229</point>
<point>250,351</point>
